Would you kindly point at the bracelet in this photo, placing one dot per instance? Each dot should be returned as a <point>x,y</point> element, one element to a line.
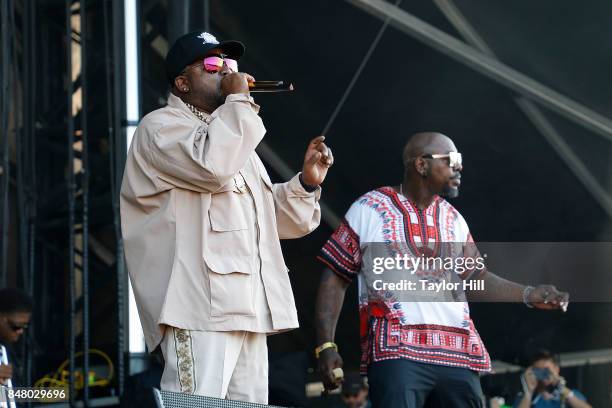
<point>566,393</point>
<point>307,187</point>
<point>324,346</point>
<point>526,292</point>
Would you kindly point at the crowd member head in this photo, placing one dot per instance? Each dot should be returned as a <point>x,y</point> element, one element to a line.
<point>545,362</point>
<point>15,314</point>
<point>432,164</point>
<point>196,65</point>
<point>355,392</point>
<point>543,385</point>
<point>545,369</point>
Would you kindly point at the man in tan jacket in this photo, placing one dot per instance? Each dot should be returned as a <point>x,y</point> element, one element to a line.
<point>202,221</point>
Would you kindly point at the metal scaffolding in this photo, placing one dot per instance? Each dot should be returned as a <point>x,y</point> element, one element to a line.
<point>54,140</point>
<point>478,56</point>
<point>78,188</point>
<point>7,47</point>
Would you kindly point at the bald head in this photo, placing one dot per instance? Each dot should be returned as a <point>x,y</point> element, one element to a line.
<point>423,143</point>
<point>426,173</point>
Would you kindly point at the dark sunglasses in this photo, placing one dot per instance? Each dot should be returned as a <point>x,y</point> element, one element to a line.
<point>15,327</point>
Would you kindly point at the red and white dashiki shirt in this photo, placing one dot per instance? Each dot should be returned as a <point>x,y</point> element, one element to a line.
<point>429,332</point>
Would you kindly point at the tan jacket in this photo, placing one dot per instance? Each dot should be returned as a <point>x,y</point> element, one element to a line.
<point>201,222</point>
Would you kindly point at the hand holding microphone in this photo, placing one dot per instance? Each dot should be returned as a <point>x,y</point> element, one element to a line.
<point>236,82</point>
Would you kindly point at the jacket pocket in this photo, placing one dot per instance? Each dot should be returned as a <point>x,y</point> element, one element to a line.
<point>229,209</point>
<point>231,286</point>
<point>229,216</point>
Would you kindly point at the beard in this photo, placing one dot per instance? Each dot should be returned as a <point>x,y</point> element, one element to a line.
<point>214,97</point>
<point>450,192</point>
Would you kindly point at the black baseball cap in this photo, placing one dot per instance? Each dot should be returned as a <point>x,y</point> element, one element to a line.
<point>189,47</point>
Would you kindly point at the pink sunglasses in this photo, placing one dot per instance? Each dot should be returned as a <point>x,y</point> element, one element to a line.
<point>214,63</point>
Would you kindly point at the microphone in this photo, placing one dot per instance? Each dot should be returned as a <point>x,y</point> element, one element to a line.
<point>270,86</point>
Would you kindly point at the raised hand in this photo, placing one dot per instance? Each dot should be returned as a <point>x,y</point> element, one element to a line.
<point>317,161</point>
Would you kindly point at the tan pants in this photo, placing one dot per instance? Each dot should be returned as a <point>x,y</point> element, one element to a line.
<point>232,365</point>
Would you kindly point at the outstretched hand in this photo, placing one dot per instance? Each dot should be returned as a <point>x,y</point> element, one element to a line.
<point>317,161</point>
<point>548,297</point>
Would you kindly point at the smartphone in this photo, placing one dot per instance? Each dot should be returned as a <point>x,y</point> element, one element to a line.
<point>541,373</point>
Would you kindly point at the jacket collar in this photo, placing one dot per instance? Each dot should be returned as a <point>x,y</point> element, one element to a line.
<point>176,102</point>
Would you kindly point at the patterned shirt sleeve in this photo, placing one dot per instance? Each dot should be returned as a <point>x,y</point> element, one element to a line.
<point>342,252</point>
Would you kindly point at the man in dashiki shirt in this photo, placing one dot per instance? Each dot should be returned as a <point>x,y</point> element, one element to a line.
<point>419,344</point>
